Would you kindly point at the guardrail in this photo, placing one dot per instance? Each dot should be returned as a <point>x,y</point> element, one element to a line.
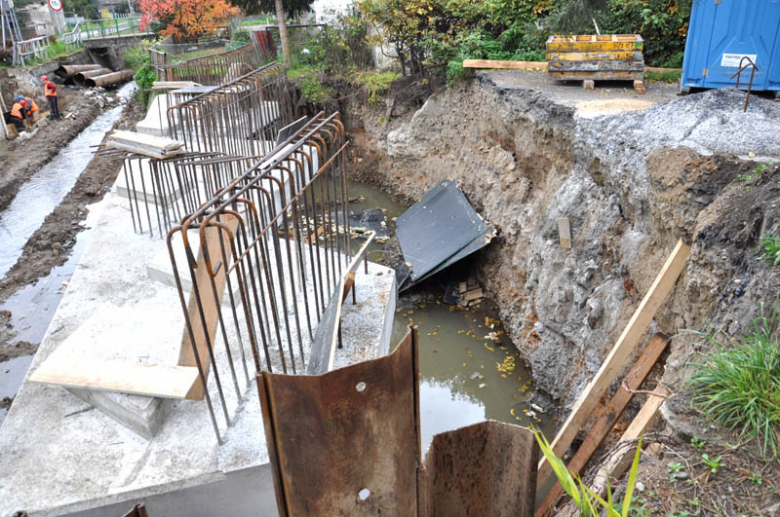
<point>106,27</point>
<point>31,49</point>
<point>72,39</point>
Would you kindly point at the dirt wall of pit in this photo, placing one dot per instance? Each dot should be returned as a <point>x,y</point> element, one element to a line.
<point>631,185</point>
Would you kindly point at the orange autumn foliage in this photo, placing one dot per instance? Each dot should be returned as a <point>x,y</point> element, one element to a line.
<point>186,18</point>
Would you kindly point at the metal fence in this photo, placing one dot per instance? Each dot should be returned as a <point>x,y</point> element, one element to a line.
<point>108,27</point>
<point>31,50</point>
<point>209,70</point>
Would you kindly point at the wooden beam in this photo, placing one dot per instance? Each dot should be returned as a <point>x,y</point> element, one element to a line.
<point>606,419</point>
<point>151,380</point>
<point>204,326</point>
<point>617,464</point>
<point>564,232</point>
<point>509,65</point>
<point>624,347</point>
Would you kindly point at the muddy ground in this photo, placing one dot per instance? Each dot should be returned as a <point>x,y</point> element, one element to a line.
<point>50,245</point>
<point>21,158</point>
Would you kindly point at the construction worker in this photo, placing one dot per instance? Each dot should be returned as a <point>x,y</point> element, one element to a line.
<point>33,106</point>
<point>16,116</point>
<point>50,90</point>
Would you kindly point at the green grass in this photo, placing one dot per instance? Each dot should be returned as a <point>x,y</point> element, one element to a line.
<point>738,384</point>
<point>771,246</point>
<point>377,83</point>
<point>670,76</point>
<point>257,20</point>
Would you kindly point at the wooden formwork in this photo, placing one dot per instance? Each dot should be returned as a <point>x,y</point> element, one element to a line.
<point>589,58</point>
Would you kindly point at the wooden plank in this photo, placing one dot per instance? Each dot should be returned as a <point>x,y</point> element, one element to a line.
<point>140,150</point>
<point>204,328</point>
<point>603,55</point>
<point>509,65</point>
<point>474,294</point>
<point>326,336</point>
<point>596,66</point>
<point>564,232</point>
<point>617,464</point>
<point>606,419</point>
<point>152,380</point>
<point>596,76</point>
<point>172,85</point>
<point>149,141</point>
<point>624,347</point>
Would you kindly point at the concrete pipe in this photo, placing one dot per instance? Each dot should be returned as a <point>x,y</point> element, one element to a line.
<point>109,79</point>
<point>81,77</point>
<point>68,71</point>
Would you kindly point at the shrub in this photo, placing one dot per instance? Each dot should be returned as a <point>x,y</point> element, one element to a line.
<point>137,57</point>
<point>145,78</point>
<point>377,83</point>
<point>738,384</point>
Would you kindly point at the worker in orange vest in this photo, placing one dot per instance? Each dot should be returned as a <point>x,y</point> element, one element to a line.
<point>50,90</point>
<point>16,115</point>
<point>33,106</point>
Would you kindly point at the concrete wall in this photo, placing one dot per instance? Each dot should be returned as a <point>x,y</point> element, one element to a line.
<point>110,52</point>
<point>44,21</point>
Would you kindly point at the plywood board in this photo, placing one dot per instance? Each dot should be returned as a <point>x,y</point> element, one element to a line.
<point>151,380</point>
<point>202,298</point>
<point>623,348</point>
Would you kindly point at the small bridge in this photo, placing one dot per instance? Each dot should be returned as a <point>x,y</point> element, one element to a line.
<point>110,51</point>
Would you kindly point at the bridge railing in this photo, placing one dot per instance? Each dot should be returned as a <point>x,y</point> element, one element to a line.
<point>107,27</point>
<point>31,49</point>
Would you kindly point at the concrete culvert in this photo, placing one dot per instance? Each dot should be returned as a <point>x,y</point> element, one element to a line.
<point>80,77</point>
<point>111,79</point>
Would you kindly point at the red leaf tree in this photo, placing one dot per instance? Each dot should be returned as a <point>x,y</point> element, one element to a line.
<point>186,18</point>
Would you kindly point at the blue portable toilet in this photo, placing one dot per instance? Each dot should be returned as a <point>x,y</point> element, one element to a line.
<point>721,33</point>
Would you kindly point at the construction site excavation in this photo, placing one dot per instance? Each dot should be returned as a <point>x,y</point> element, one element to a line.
<point>327,267</point>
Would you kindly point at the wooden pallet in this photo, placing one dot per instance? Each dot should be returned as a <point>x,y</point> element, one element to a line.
<point>591,58</point>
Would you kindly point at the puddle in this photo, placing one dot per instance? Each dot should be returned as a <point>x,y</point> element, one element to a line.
<point>460,382</point>
<point>48,187</point>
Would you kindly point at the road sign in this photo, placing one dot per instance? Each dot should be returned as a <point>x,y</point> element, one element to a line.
<point>55,5</point>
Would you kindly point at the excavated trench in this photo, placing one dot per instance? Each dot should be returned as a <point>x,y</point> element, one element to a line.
<point>630,183</point>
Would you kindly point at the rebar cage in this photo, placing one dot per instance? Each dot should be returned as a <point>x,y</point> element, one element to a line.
<point>209,70</point>
<point>261,259</point>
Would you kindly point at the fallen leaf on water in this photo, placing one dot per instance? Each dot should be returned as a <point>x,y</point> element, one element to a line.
<point>474,375</point>
<point>482,385</point>
<point>464,364</point>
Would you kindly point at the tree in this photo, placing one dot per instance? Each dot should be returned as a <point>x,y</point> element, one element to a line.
<point>86,8</point>
<point>577,15</point>
<point>291,8</point>
<point>186,18</point>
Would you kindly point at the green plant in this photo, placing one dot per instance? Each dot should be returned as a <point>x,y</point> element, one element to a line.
<point>673,466</point>
<point>377,83</point>
<point>771,245</point>
<point>695,502</point>
<point>697,443</point>
<point>138,56</point>
<point>145,78</point>
<point>583,497</point>
<point>713,463</point>
<point>738,384</point>
<point>756,478</point>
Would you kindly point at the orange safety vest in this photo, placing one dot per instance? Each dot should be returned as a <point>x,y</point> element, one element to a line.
<point>31,103</point>
<point>16,111</point>
<point>49,88</point>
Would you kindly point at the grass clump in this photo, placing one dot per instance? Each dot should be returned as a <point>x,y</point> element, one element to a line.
<point>738,385</point>
<point>771,247</point>
<point>377,83</point>
<point>667,76</point>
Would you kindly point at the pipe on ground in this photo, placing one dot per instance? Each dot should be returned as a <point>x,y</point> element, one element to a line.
<point>81,77</point>
<point>109,79</point>
<point>68,71</point>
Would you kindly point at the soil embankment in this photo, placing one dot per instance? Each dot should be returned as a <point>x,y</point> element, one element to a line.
<point>631,184</point>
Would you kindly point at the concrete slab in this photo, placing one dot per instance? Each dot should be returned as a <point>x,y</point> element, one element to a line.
<point>58,459</point>
<point>156,120</point>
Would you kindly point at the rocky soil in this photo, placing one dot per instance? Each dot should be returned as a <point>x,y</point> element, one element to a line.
<point>631,185</point>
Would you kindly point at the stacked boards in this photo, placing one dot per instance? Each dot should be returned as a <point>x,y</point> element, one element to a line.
<point>589,58</point>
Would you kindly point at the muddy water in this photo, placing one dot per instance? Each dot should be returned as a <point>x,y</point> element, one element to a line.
<point>470,371</point>
<point>47,187</point>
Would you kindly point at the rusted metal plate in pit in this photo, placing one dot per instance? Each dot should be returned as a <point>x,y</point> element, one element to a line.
<point>484,469</point>
<point>334,435</point>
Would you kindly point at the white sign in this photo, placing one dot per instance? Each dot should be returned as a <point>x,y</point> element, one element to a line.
<point>55,5</point>
<point>733,59</point>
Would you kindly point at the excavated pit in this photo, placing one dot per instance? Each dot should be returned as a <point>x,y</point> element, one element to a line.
<point>631,184</point>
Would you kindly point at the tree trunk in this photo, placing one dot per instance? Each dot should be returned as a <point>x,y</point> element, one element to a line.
<point>283,34</point>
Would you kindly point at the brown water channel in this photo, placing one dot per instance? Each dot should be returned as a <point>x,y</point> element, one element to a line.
<point>470,370</point>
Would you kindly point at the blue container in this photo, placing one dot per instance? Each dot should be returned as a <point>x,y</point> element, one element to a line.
<point>721,32</point>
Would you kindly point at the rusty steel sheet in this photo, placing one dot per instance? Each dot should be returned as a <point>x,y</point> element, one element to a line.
<point>346,442</point>
<point>483,469</point>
